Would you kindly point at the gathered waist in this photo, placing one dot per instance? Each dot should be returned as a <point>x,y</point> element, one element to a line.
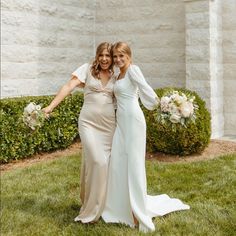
<point>98,98</point>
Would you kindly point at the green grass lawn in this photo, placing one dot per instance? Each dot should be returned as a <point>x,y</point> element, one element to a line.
<point>44,199</point>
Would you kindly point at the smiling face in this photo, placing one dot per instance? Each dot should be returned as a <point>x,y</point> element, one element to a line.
<point>104,59</point>
<point>121,59</point>
<point>121,55</point>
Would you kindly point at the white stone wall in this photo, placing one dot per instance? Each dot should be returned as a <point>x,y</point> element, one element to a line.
<point>154,29</point>
<point>229,65</point>
<point>182,43</point>
<point>43,42</point>
<point>204,57</point>
<point>197,25</point>
<point>216,69</point>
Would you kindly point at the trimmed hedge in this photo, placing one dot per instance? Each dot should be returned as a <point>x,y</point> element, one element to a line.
<point>183,141</point>
<point>19,141</point>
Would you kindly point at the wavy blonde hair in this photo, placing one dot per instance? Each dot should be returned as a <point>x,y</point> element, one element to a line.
<point>95,68</point>
<point>124,48</point>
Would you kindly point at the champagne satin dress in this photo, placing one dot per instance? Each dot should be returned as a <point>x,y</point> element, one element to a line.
<point>127,188</point>
<point>96,129</point>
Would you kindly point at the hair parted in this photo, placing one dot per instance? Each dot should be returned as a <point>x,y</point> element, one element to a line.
<point>122,47</point>
<point>95,68</point>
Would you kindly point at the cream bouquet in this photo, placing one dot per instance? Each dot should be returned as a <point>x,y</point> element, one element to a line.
<point>33,116</point>
<point>176,108</point>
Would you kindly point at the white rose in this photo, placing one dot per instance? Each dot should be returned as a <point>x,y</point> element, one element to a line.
<point>173,96</point>
<point>180,99</point>
<point>175,118</point>
<point>174,109</point>
<point>30,107</point>
<point>186,109</point>
<point>38,107</point>
<point>165,99</point>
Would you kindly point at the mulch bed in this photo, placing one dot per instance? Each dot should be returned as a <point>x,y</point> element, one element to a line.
<point>215,149</point>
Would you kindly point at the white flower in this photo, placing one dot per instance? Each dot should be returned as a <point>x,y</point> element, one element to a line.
<point>33,116</point>
<point>176,107</point>
<point>174,96</point>
<point>38,107</point>
<point>180,99</point>
<point>186,109</point>
<point>30,107</point>
<point>173,109</point>
<point>175,118</point>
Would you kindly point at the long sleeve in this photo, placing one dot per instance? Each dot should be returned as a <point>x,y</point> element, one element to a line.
<point>147,95</point>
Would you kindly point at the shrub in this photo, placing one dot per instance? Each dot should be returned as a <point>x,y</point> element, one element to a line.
<point>182,141</point>
<point>18,140</point>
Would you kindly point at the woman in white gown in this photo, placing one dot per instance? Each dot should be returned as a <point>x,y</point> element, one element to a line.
<point>127,200</point>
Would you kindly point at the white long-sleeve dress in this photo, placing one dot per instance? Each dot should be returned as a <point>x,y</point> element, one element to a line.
<point>127,189</point>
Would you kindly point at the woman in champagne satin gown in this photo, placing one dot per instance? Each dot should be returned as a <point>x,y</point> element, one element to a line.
<point>96,129</point>
<point>127,200</point>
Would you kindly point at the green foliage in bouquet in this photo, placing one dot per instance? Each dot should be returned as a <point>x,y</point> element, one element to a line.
<point>18,140</point>
<point>176,138</point>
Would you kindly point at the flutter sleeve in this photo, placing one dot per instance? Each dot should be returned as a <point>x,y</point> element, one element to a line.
<point>147,95</point>
<point>82,72</point>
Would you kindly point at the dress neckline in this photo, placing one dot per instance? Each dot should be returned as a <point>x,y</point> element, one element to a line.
<point>101,84</point>
<point>104,86</point>
<point>123,78</point>
<point>125,74</point>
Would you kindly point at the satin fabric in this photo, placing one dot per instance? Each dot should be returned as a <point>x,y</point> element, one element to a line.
<point>96,129</point>
<point>127,188</point>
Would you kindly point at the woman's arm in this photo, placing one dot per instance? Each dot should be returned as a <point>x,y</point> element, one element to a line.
<point>147,95</point>
<point>63,92</point>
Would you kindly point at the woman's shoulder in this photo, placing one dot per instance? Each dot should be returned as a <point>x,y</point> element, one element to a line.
<point>85,66</point>
<point>82,72</point>
<point>134,69</point>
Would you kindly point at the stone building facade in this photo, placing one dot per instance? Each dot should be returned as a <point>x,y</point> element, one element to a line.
<point>182,43</point>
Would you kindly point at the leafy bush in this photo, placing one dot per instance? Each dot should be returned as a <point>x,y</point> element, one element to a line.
<point>182,140</point>
<point>18,140</point>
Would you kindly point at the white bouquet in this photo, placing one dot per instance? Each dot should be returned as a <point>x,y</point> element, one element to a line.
<point>176,108</point>
<point>33,116</point>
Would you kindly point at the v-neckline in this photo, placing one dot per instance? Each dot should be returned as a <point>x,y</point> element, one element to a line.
<point>104,86</point>
<point>101,84</point>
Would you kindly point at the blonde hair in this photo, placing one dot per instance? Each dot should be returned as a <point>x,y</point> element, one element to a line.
<point>122,47</point>
<point>95,68</point>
